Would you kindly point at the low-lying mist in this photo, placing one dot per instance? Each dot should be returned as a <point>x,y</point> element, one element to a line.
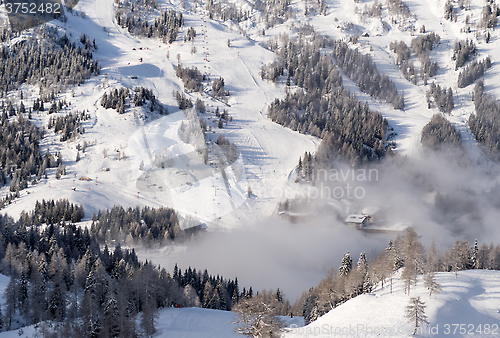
<point>442,198</point>
<point>271,255</point>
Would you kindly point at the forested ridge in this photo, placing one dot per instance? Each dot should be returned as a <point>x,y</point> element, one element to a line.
<point>361,69</point>
<point>421,46</point>
<point>439,134</point>
<point>485,122</point>
<point>63,278</point>
<point>166,25</point>
<point>146,225</point>
<point>121,98</point>
<point>48,60</point>
<point>21,158</point>
<point>52,62</point>
<point>405,254</point>
<point>322,106</point>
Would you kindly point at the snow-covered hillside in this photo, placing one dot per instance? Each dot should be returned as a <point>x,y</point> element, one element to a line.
<point>470,300</point>
<point>238,201</point>
<point>269,152</point>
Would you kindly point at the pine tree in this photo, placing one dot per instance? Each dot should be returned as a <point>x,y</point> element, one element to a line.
<point>111,320</point>
<point>415,312</point>
<point>220,291</point>
<point>22,109</point>
<point>346,265</point>
<point>176,274</point>
<point>90,307</point>
<point>394,259</point>
<point>367,285</point>
<point>11,301</point>
<point>279,296</point>
<point>475,261</point>
<point>23,298</point>
<point>314,313</point>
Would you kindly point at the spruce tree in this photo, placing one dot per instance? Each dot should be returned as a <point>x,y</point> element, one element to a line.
<point>474,258</point>
<point>345,265</point>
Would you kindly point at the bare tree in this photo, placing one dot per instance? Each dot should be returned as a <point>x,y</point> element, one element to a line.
<point>431,284</point>
<point>257,319</point>
<point>433,258</point>
<point>414,260</point>
<point>415,312</point>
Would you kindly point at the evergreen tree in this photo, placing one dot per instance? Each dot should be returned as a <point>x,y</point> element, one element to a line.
<point>234,298</point>
<point>11,302</point>
<point>474,258</point>
<point>367,285</point>
<point>345,265</point>
<point>314,313</point>
<point>220,290</point>
<point>111,320</point>
<point>90,307</point>
<point>279,296</point>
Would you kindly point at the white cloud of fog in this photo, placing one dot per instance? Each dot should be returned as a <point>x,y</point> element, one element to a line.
<point>273,254</point>
<point>443,200</point>
<point>294,257</point>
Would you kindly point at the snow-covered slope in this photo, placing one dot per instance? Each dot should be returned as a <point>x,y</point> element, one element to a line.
<point>472,298</point>
<point>269,152</point>
<point>202,323</point>
<point>174,323</point>
<point>177,323</point>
